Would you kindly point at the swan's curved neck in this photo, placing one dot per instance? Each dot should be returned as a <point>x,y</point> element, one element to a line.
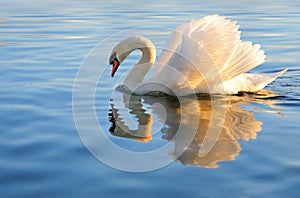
<point>136,75</point>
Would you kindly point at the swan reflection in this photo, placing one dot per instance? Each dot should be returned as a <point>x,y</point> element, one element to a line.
<point>239,123</point>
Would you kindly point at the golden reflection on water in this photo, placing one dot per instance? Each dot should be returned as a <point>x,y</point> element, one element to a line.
<point>239,123</point>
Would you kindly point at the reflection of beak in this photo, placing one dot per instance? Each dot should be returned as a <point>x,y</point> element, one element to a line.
<point>113,114</point>
<point>113,118</point>
<point>115,65</point>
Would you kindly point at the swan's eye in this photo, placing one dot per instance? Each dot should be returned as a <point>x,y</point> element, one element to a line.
<point>113,57</point>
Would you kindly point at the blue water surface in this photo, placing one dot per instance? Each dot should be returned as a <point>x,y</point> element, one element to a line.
<point>42,45</point>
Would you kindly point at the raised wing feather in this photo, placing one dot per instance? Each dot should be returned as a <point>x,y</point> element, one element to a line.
<point>211,46</point>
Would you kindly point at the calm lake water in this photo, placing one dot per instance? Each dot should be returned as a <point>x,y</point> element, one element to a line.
<point>43,44</point>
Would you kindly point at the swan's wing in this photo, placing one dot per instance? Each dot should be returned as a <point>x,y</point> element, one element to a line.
<point>221,40</point>
<point>217,35</point>
<point>210,42</point>
<point>244,57</point>
<point>181,71</point>
<point>249,82</point>
<point>171,46</point>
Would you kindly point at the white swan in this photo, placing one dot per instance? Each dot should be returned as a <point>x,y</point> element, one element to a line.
<point>202,56</point>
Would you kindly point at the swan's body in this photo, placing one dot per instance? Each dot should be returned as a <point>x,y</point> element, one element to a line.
<point>202,56</point>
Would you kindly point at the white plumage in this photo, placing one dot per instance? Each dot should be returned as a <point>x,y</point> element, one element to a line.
<point>202,56</point>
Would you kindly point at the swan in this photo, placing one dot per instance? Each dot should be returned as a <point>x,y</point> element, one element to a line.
<point>202,56</point>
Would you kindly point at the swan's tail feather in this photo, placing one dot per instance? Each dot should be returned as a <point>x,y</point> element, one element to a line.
<point>271,77</point>
<point>268,78</point>
<point>277,74</point>
<point>249,82</point>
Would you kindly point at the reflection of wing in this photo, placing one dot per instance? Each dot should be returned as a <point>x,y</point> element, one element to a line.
<point>241,124</point>
<point>238,124</point>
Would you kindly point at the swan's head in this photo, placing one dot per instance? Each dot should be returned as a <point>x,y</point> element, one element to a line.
<point>117,56</point>
<point>120,53</point>
<point>125,47</point>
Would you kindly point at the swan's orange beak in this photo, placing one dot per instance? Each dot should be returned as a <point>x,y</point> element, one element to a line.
<point>115,64</point>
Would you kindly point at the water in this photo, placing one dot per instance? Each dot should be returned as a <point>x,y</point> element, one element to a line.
<point>42,46</point>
